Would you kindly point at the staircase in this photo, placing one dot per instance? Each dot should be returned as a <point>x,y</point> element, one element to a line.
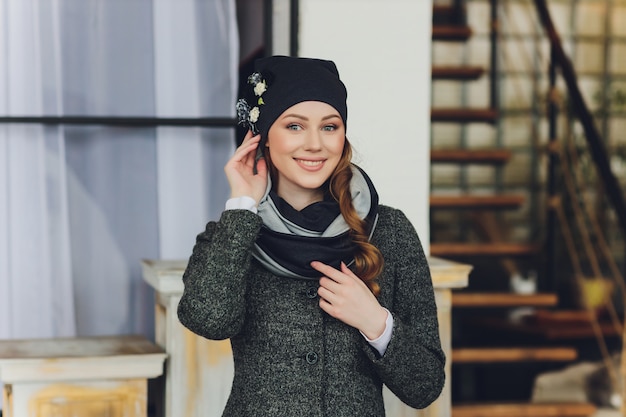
<point>483,240</point>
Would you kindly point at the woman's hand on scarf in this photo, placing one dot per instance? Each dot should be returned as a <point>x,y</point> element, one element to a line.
<point>345,297</point>
<point>239,170</point>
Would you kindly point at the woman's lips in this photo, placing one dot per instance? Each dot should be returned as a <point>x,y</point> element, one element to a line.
<point>311,165</point>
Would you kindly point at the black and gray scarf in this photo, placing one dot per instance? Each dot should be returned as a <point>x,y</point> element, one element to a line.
<point>290,239</point>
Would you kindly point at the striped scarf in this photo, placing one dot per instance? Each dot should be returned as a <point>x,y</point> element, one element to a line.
<point>290,240</point>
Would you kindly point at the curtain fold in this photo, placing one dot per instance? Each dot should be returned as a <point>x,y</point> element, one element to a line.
<point>80,206</point>
<point>193,80</point>
<point>35,277</point>
<point>107,50</point>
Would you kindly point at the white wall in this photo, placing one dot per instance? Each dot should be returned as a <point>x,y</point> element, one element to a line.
<point>382,51</point>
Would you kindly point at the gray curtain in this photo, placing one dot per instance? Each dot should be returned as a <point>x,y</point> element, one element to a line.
<point>81,206</point>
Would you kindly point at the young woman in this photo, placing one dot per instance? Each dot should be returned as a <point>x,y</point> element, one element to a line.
<point>325,294</point>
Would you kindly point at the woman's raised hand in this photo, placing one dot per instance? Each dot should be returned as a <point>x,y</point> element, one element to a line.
<point>239,170</point>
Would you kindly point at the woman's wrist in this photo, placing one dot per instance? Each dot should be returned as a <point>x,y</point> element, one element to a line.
<point>241,203</point>
<point>381,342</point>
<point>376,326</point>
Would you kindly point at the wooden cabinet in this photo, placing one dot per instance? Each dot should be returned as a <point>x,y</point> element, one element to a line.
<point>85,377</point>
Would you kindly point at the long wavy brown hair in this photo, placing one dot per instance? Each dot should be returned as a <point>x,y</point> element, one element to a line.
<point>368,260</point>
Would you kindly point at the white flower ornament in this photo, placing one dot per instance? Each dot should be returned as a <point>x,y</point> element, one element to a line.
<point>250,115</point>
<point>260,88</point>
<point>254,114</point>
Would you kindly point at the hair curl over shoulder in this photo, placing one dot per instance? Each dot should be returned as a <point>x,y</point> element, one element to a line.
<point>368,259</point>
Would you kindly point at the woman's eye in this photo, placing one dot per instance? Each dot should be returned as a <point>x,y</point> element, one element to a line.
<point>294,126</point>
<point>330,128</point>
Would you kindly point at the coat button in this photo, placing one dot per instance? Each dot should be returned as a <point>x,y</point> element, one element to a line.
<point>311,292</point>
<point>311,358</point>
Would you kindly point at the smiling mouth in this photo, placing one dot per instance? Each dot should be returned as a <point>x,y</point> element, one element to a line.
<point>309,163</point>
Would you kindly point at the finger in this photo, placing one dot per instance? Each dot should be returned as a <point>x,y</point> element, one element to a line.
<point>332,310</point>
<point>358,281</point>
<point>249,135</point>
<point>330,285</point>
<point>328,271</point>
<point>250,140</point>
<point>326,295</point>
<point>327,307</point>
<point>244,151</point>
<point>348,272</point>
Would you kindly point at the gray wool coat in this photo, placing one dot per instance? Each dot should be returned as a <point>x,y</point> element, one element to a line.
<point>292,359</point>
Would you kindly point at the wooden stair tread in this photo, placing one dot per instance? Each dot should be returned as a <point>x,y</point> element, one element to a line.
<point>513,354</point>
<point>482,249</point>
<point>561,317</point>
<point>443,10</point>
<point>451,33</point>
<point>487,115</point>
<point>503,201</point>
<point>470,156</point>
<point>524,410</point>
<point>457,73</point>
<point>546,331</point>
<point>486,300</point>
<point>446,14</point>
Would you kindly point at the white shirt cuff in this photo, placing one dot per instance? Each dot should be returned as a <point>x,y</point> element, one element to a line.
<point>241,203</point>
<point>382,341</point>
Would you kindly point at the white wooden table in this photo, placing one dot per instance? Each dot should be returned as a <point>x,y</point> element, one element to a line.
<point>199,372</point>
<point>78,377</point>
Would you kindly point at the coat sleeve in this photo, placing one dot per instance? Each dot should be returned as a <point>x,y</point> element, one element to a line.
<point>213,301</point>
<point>413,364</point>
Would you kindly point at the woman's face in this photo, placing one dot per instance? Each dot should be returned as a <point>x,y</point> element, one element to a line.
<point>305,145</point>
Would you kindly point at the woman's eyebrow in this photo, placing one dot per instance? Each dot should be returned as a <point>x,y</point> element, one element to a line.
<point>302,117</point>
<point>297,116</point>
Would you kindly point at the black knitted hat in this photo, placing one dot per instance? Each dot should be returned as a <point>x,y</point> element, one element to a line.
<point>280,82</point>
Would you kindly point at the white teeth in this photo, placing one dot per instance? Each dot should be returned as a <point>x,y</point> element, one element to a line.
<point>310,163</point>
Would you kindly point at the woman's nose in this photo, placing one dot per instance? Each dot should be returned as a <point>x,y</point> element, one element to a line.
<point>313,141</point>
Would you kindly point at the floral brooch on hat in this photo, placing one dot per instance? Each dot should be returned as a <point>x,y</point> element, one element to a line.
<point>249,115</point>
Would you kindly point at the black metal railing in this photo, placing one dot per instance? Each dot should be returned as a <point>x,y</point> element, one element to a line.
<point>596,146</point>
<point>493,74</point>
